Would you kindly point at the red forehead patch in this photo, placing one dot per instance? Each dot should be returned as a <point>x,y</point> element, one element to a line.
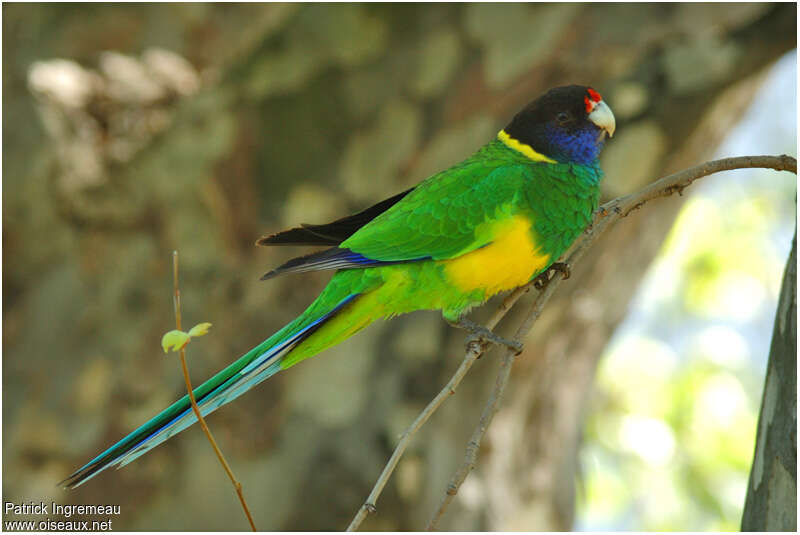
<point>592,100</point>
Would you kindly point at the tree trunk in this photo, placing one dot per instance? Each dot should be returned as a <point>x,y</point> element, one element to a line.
<point>771,503</point>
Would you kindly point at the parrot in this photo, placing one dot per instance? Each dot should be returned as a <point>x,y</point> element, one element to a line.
<point>489,224</point>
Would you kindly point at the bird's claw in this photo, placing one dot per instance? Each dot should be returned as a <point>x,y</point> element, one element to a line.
<point>483,335</point>
<point>563,268</point>
<point>544,277</point>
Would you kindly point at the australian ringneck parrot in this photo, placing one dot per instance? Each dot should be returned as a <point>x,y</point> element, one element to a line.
<point>486,225</point>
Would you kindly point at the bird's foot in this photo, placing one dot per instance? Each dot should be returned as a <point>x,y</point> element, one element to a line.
<point>544,277</point>
<point>481,334</point>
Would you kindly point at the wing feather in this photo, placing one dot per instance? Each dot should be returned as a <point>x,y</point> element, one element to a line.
<point>445,216</point>
<point>332,233</point>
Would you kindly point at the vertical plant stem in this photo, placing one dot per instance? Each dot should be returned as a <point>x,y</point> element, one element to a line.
<point>195,408</point>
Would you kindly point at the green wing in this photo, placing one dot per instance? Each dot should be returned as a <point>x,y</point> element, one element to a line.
<point>443,216</point>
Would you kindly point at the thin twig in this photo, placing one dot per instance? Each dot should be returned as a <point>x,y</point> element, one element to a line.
<point>195,408</point>
<point>474,351</point>
<point>608,213</point>
<point>493,403</point>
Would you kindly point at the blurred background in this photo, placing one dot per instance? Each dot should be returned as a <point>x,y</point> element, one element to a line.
<point>132,130</point>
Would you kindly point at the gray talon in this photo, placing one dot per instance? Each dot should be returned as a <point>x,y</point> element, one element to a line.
<point>482,334</point>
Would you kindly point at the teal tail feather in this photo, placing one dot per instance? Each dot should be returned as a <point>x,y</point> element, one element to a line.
<point>255,366</point>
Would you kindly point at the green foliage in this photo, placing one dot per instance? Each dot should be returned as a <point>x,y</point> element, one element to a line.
<point>177,340</point>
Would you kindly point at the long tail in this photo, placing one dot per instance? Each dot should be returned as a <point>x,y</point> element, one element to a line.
<point>286,347</point>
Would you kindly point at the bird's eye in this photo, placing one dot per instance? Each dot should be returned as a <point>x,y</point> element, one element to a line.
<point>563,117</point>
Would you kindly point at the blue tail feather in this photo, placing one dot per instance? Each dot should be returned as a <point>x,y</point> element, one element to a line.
<point>255,366</point>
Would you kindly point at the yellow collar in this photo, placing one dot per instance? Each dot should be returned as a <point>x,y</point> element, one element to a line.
<point>522,148</point>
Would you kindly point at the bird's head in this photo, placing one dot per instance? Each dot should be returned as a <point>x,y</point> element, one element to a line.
<point>566,124</point>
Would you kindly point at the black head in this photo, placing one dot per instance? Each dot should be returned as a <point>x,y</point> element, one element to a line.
<point>567,124</point>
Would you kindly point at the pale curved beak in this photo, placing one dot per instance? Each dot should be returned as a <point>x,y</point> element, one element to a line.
<point>603,118</point>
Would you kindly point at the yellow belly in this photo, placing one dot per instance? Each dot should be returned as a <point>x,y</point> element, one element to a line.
<point>509,261</point>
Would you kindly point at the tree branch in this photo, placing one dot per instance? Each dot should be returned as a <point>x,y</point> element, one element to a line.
<point>474,351</point>
<point>608,213</point>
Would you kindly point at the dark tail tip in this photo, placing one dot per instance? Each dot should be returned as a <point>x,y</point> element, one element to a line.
<point>264,240</point>
<point>77,477</point>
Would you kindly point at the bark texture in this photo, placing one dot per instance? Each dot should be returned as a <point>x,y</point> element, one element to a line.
<point>771,503</point>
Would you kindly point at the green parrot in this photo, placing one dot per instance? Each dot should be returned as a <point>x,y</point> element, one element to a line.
<point>486,225</point>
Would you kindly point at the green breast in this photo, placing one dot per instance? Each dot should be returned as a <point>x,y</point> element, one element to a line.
<point>561,198</point>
